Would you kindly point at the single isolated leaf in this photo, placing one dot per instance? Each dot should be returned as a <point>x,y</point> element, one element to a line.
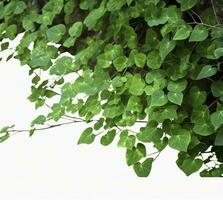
<point>140,59</point>
<point>39,120</point>
<point>199,33</point>
<point>87,137</point>
<point>4,137</point>
<point>180,140</point>
<point>207,71</point>
<point>143,169</point>
<point>126,141</point>
<point>108,138</point>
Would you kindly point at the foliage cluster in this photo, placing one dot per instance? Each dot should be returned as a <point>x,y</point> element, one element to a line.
<point>154,62</point>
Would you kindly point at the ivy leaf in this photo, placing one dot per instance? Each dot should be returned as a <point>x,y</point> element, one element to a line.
<point>113,5</point>
<point>166,46</point>
<point>55,33</point>
<point>143,169</point>
<point>219,138</point>
<point>4,137</point>
<point>134,155</point>
<point>76,29</point>
<point>177,86</point>
<point>196,97</point>
<point>140,59</point>
<point>137,85</point>
<point>180,140</point>
<point>206,71</point>
<point>217,119</point>
<point>187,4</point>
<point>199,33</point>
<point>93,17</point>
<point>158,98</point>
<point>217,88</point>
<point>175,97</point>
<point>204,129</point>
<point>154,60</point>
<point>126,141</point>
<point>218,52</point>
<point>191,165</point>
<point>121,63</point>
<point>108,138</point>
<point>182,33</point>
<point>20,7</point>
<point>39,120</point>
<point>87,137</point>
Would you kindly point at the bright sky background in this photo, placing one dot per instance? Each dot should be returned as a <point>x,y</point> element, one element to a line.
<point>50,166</point>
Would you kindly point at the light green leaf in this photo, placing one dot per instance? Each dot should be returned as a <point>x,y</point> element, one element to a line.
<point>137,85</point>
<point>76,29</point>
<point>218,52</point>
<point>158,98</point>
<point>187,4</point>
<point>166,46</point>
<point>191,165</point>
<point>39,120</point>
<point>182,33</point>
<point>143,169</point>
<point>4,137</point>
<point>154,60</point>
<point>140,59</point>
<point>180,140</point>
<point>55,33</point>
<point>134,155</point>
<point>204,129</point>
<point>177,86</point>
<point>113,5</point>
<point>87,137</point>
<point>126,141</point>
<point>175,97</point>
<point>217,119</point>
<point>199,33</point>
<point>20,7</point>
<point>121,63</point>
<point>206,71</point>
<point>108,138</point>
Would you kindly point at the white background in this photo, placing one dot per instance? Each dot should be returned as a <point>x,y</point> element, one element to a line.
<point>50,166</point>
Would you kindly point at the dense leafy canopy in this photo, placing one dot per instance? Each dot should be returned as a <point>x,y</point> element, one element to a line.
<point>154,62</point>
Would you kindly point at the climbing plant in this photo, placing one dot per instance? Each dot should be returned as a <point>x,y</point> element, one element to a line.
<point>154,63</point>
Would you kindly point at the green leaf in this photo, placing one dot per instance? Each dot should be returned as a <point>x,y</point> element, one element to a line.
<point>219,138</point>
<point>206,71</point>
<point>137,85</point>
<point>177,86</point>
<point>217,88</point>
<point>121,63</point>
<point>20,7</point>
<point>55,33</point>
<point>108,138</point>
<point>182,33</point>
<point>154,60</point>
<point>76,29</point>
<point>199,33</point>
<point>143,169</point>
<point>39,120</point>
<point>140,59</point>
<point>136,154</point>
<point>158,98</point>
<point>191,165</point>
<point>217,119</point>
<point>187,4</point>
<point>204,129</point>
<point>196,97</point>
<point>4,137</point>
<point>175,97</point>
<point>126,141</point>
<point>93,17</point>
<point>113,5</point>
<point>180,140</point>
<point>166,46</point>
<point>218,52</point>
<point>87,137</point>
